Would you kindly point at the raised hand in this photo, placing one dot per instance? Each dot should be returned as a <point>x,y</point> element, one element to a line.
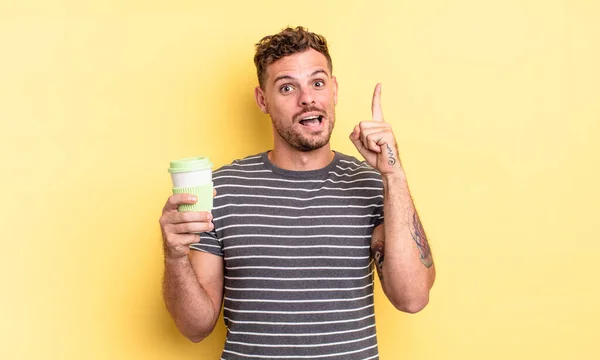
<point>375,139</point>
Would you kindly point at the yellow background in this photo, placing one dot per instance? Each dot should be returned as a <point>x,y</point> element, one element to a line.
<point>495,105</point>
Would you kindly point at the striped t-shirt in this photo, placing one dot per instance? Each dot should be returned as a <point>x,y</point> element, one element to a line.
<point>296,248</point>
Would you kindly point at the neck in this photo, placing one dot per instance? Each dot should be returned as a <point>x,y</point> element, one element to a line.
<point>292,159</point>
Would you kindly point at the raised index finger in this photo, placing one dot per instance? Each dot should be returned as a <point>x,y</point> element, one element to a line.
<point>376,104</point>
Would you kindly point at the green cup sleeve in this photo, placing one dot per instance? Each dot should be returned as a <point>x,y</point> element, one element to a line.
<point>204,193</point>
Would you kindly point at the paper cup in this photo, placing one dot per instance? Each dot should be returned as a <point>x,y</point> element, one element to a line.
<point>193,176</point>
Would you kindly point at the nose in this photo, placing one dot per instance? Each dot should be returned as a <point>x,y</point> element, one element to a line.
<point>306,97</point>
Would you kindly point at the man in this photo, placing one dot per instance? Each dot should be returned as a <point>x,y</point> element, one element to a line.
<point>294,230</point>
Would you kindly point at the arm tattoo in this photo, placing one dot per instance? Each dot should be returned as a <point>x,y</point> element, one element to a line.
<point>418,235</point>
<point>392,159</point>
<point>377,252</point>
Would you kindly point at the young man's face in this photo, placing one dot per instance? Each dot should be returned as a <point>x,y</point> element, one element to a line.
<point>300,96</point>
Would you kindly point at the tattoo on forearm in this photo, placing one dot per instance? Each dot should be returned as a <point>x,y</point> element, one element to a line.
<point>418,235</point>
<point>392,157</point>
<point>377,251</point>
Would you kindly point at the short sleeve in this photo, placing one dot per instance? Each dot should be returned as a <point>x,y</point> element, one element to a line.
<point>379,218</point>
<point>208,243</point>
<point>378,211</point>
<point>378,215</point>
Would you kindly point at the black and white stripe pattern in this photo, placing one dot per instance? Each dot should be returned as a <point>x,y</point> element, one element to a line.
<point>296,247</point>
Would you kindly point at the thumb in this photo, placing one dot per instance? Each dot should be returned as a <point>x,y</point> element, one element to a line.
<point>355,138</point>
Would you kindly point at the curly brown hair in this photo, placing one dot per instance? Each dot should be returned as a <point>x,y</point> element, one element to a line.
<point>287,42</point>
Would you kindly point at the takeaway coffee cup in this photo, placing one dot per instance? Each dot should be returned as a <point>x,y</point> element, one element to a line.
<point>193,176</point>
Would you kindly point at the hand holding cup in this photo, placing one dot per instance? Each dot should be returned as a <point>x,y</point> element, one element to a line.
<point>181,229</point>
<point>187,212</point>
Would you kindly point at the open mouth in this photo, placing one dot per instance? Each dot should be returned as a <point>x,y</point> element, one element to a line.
<point>312,121</point>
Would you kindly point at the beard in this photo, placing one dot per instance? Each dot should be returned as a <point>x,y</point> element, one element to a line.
<point>301,141</point>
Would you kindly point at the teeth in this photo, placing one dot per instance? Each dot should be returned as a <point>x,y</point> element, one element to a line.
<point>311,118</point>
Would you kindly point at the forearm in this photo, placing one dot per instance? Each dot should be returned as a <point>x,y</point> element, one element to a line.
<point>408,272</point>
<point>187,302</point>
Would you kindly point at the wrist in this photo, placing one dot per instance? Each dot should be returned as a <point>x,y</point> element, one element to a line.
<point>176,259</point>
<point>398,175</point>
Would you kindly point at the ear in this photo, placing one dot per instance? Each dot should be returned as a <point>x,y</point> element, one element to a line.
<point>335,90</point>
<point>261,100</point>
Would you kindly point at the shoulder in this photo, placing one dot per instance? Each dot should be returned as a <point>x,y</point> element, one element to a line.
<point>351,165</point>
<point>249,167</point>
<point>251,160</point>
<point>249,163</point>
<point>348,160</point>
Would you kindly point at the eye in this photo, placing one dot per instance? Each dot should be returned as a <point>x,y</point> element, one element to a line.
<point>286,89</point>
<point>319,83</point>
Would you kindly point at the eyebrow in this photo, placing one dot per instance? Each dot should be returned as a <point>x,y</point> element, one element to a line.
<point>288,77</point>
